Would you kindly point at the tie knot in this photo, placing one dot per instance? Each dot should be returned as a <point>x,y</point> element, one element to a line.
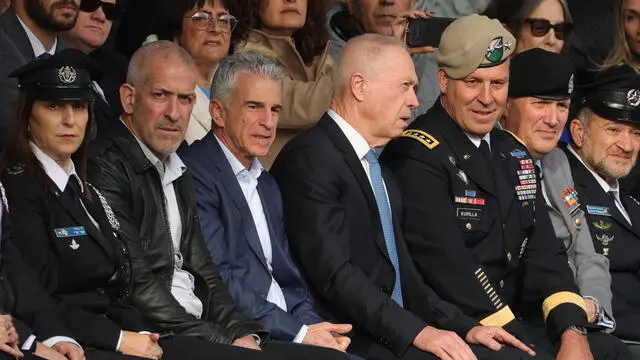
<point>73,188</point>
<point>44,55</point>
<point>371,157</point>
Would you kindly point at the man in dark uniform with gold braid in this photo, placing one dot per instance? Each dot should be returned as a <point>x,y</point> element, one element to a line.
<point>476,227</point>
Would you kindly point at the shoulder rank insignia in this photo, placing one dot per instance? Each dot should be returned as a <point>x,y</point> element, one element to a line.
<point>516,137</point>
<point>425,138</point>
<point>16,169</point>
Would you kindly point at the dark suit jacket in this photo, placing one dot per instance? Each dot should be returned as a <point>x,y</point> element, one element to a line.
<point>335,233</point>
<point>232,239</point>
<point>619,241</point>
<point>78,291</point>
<point>15,52</point>
<point>107,110</point>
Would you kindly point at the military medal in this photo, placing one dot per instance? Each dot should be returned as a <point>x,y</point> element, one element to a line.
<point>527,188</point>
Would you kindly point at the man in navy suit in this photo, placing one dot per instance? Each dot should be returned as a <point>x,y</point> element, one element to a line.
<point>240,205</point>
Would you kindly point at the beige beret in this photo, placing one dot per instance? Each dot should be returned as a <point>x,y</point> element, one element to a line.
<point>473,42</point>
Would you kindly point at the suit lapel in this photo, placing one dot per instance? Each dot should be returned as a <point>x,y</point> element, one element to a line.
<point>18,36</point>
<point>219,162</point>
<point>341,142</point>
<point>470,160</point>
<point>506,179</point>
<point>633,210</point>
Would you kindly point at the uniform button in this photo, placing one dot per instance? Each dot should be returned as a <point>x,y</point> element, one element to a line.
<point>509,256</point>
<point>469,226</point>
<point>115,235</point>
<point>578,222</point>
<point>100,291</point>
<point>502,284</point>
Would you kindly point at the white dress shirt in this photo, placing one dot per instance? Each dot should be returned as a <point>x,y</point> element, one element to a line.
<point>248,181</point>
<point>182,283</point>
<point>36,44</point>
<point>606,187</point>
<point>359,144</point>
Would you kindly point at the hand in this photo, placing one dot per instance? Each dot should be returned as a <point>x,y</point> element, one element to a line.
<point>47,352</point>
<point>400,25</point>
<point>591,310</point>
<point>247,342</point>
<point>446,345</point>
<point>70,350</point>
<point>327,334</point>
<point>10,334</point>
<point>494,337</point>
<point>574,346</point>
<point>142,345</point>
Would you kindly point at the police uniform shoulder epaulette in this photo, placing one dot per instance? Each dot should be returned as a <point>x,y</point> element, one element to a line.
<point>424,138</point>
<point>515,137</point>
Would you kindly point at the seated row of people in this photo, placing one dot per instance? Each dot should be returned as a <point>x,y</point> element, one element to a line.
<point>128,261</point>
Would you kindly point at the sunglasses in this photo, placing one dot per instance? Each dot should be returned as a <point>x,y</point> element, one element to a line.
<point>540,28</point>
<point>203,19</point>
<point>111,11</point>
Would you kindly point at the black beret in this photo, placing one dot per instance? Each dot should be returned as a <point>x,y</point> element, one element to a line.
<point>542,74</point>
<point>614,95</point>
<point>67,75</point>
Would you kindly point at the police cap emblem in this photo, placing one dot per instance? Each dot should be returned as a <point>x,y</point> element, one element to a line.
<point>67,74</point>
<point>633,97</point>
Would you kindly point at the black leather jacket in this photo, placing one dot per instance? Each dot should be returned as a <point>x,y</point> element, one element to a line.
<point>132,186</point>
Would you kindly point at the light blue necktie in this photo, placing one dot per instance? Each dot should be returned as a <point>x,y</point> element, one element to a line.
<point>385,219</point>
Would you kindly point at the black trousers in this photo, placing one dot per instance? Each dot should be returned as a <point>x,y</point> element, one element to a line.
<point>193,348</point>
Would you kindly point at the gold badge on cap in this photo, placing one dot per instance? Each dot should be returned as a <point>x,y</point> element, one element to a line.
<point>67,74</point>
<point>633,97</point>
<point>496,50</point>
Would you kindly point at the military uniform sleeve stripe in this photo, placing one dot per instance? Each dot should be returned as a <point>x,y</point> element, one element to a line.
<point>499,318</point>
<point>559,298</point>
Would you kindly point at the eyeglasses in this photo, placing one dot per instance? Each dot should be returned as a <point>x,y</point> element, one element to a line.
<point>540,28</point>
<point>111,11</point>
<point>203,19</point>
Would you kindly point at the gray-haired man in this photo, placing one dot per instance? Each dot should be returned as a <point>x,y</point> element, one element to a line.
<point>240,206</point>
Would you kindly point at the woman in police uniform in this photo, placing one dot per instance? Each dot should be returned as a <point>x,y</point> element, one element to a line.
<point>75,290</point>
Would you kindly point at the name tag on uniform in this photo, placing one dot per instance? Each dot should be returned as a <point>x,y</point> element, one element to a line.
<point>70,232</point>
<point>598,210</point>
<point>468,214</point>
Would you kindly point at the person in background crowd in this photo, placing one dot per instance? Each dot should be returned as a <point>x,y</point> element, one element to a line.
<point>540,90</point>
<point>626,45</point>
<point>605,140</point>
<point>294,34</point>
<point>29,29</point>
<point>95,20</point>
<point>203,28</point>
<point>342,214</point>
<point>354,17</point>
<point>476,230</point>
<point>251,248</point>
<point>176,284</point>
<point>544,24</point>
